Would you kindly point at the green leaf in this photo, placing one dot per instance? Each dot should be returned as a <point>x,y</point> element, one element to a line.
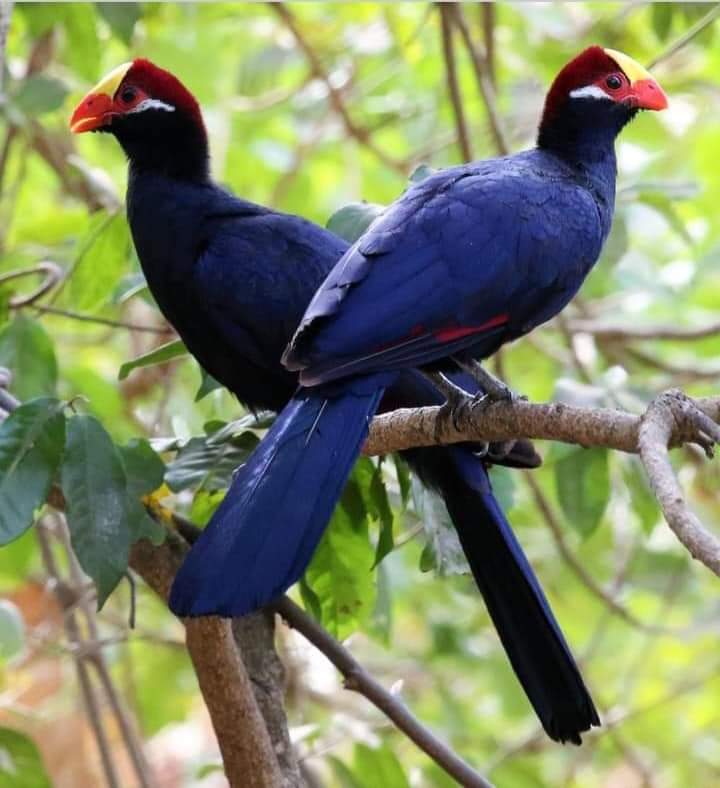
<point>403,476</point>
<point>582,481</point>
<point>204,505</point>
<point>160,355</point>
<point>27,351</point>
<point>12,630</point>
<point>20,763</point>
<point>381,510</point>
<point>351,221</point>
<point>82,43</point>
<point>443,551</point>
<point>207,384</point>
<point>661,18</point>
<point>121,18</point>
<point>101,261</point>
<point>144,473</point>
<point>96,494</point>
<point>378,766</point>
<point>421,172</point>
<point>39,94</point>
<point>31,446</point>
<point>503,485</point>
<point>144,469</point>
<point>207,463</point>
<point>340,575</point>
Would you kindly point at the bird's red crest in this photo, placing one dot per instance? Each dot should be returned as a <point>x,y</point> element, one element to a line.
<point>589,66</point>
<point>163,86</point>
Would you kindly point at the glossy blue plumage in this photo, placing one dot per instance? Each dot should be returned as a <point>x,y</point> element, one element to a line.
<point>234,279</point>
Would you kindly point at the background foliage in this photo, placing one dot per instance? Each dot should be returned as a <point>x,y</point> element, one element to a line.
<point>643,620</point>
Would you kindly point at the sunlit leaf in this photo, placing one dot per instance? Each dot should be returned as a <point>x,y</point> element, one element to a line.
<point>159,355</point>
<point>102,259</point>
<point>20,763</point>
<point>27,351</point>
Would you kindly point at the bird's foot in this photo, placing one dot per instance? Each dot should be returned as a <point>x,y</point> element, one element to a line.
<point>493,389</point>
<point>456,399</point>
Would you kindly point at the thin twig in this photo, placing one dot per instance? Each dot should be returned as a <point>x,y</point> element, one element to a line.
<point>483,81</point>
<point>133,745</point>
<point>72,632</point>
<point>51,272</point>
<point>622,333</point>
<point>360,133</point>
<point>571,560</point>
<point>452,81</point>
<point>101,321</point>
<point>687,36</point>
<point>359,680</point>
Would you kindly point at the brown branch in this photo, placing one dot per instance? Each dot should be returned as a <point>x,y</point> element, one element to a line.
<point>67,599</point>
<point>487,15</point>
<point>52,273</point>
<point>621,333</point>
<point>452,81</point>
<point>359,680</point>
<point>667,412</point>
<point>484,82</point>
<point>671,420</point>
<point>243,738</point>
<point>358,132</point>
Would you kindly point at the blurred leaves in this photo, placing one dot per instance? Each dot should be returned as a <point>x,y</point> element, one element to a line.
<point>20,762</point>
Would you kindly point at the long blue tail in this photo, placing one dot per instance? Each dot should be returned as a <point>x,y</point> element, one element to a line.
<point>262,537</point>
<point>516,603</point>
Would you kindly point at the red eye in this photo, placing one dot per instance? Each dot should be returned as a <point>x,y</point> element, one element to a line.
<point>614,82</point>
<point>128,94</point>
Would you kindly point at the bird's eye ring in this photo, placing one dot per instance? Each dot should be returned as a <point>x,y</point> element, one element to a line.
<point>127,95</point>
<point>613,82</point>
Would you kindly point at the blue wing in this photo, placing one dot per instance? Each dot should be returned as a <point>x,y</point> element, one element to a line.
<point>452,265</point>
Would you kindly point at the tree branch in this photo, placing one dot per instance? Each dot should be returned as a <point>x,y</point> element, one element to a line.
<point>360,133</point>
<point>484,82</point>
<point>452,81</point>
<point>622,333</point>
<point>671,420</point>
<point>359,680</point>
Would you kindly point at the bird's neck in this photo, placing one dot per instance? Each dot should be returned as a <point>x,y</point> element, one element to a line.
<point>583,135</point>
<point>180,152</point>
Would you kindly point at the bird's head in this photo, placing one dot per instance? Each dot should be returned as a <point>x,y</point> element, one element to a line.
<point>598,91</point>
<point>154,117</point>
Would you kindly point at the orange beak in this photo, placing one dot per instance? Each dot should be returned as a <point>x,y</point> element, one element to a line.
<point>93,112</point>
<point>647,94</point>
<point>96,109</point>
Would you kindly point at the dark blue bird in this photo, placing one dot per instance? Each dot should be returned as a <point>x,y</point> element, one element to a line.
<point>234,279</point>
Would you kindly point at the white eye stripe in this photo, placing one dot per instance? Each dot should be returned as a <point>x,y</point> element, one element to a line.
<point>151,103</point>
<point>590,91</point>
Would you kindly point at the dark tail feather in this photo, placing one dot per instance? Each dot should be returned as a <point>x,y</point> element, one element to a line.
<point>264,533</point>
<point>517,605</point>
